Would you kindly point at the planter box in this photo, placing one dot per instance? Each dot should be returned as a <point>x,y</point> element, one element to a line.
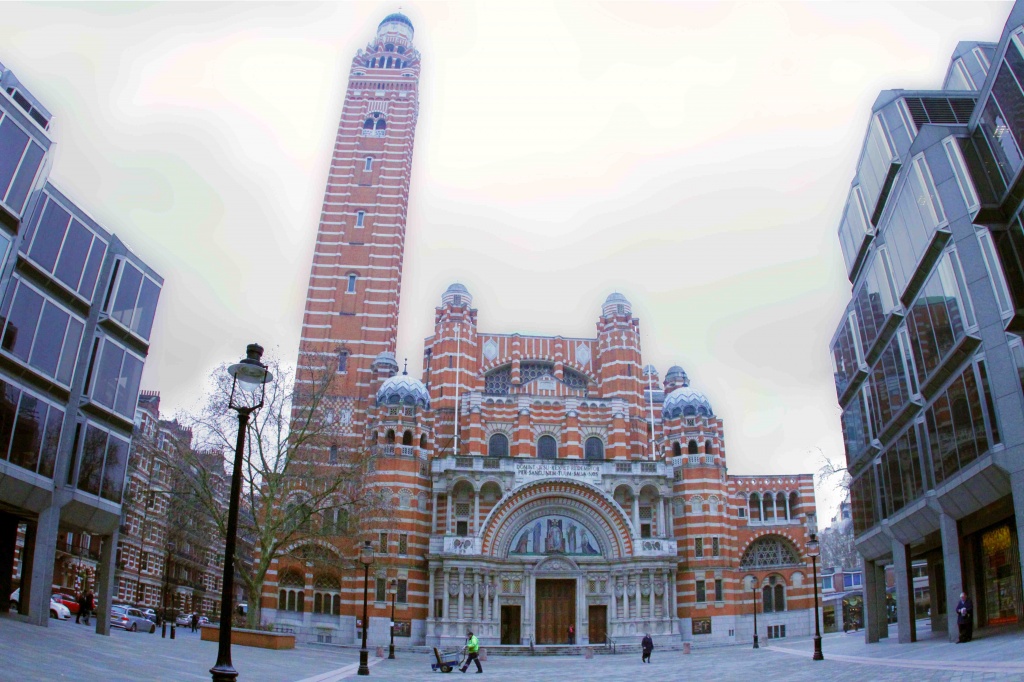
<point>257,638</point>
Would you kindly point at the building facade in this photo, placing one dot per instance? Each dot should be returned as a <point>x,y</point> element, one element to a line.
<point>77,312</point>
<point>542,488</point>
<point>928,359</point>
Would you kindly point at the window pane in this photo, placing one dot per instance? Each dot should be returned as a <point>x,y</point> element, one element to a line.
<point>107,372</point>
<point>9,397</point>
<point>1000,139</point>
<point>26,174</point>
<point>50,339</point>
<point>92,269</point>
<point>145,309</point>
<point>546,448</point>
<point>69,354</point>
<point>28,432</point>
<point>49,235</point>
<point>127,293</point>
<point>48,455</point>
<point>21,322</point>
<point>73,254</point>
<point>12,145</point>
<point>90,470</point>
<point>113,470</point>
<point>128,386</point>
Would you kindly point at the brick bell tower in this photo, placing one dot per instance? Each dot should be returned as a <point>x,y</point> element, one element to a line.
<point>351,313</point>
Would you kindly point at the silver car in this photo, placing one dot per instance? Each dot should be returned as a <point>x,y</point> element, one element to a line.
<point>130,619</point>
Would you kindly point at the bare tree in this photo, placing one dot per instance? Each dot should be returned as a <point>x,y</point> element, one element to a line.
<point>307,491</point>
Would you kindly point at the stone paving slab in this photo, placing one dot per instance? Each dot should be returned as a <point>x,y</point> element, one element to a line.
<point>65,651</point>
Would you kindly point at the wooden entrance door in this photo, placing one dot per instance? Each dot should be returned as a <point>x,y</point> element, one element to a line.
<point>510,619</point>
<point>598,617</point>
<point>556,610</point>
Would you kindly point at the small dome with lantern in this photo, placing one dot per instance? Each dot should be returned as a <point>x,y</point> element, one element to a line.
<point>405,390</point>
<point>457,295</point>
<point>616,304</point>
<point>686,402</point>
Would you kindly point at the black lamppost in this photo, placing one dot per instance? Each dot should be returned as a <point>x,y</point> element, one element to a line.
<point>365,558</point>
<point>753,587</point>
<point>812,550</point>
<point>245,400</point>
<point>393,588</point>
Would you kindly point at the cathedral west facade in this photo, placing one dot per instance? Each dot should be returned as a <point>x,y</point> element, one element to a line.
<point>539,485</point>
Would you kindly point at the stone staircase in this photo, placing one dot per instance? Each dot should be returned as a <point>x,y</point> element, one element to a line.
<point>537,650</point>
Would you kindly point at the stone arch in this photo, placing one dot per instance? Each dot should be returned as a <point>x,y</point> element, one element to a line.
<point>770,551</point>
<point>600,511</point>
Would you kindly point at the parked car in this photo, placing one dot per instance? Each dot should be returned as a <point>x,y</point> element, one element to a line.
<point>68,601</point>
<point>150,614</point>
<point>183,620</point>
<point>57,609</point>
<point>131,619</point>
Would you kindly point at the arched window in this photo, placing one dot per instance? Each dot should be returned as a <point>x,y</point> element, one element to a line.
<point>769,507</point>
<point>342,361</point>
<point>677,451</point>
<point>407,438</point>
<point>691,447</point>
<point>780,506</point>
<point>352,277</point>
<point>707,447</point>
<point>423,441</point>
<point>381,124</point>
<point>547,448</point>
<point>497,446</point>
<point>387,65</point>
<point>290,595</point>
<point>794,501</point>
<point>593,448</point>
<point>766,598</point>
<point>368,163</point>
<point>389,47</point>
<point>780,597</point>
<point>390,436</point>
<point>368,124</point>
<point>755,507</point>
<point>769,552</point>
<point>712,505</point>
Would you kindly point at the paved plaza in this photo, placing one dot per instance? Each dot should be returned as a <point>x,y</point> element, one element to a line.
<point>69,651</point>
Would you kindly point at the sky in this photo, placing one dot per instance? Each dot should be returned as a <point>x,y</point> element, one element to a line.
<point>693,156</point>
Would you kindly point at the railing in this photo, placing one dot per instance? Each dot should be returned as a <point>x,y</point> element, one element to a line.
<point>609,643</point>
<point>374,133</point>
<point>600,467</point>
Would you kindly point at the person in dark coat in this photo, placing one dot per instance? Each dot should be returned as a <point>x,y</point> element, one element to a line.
<point>81,607</point>
<point>965,618</point>
<point>87,607</point>
<point>195,622</point>
<point>648,646</point>
<point>572,634</point>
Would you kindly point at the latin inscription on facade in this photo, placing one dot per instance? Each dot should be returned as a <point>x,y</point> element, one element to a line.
<point>534,470</point>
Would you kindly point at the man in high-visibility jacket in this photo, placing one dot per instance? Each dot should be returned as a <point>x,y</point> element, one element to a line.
<point>473,651</point>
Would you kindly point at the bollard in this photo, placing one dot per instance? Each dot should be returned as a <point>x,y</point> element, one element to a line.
<point>380,652</point>
<point>172,630</point>
<point>163,630</point>
<point>588,653</point>
<point>686,647</point>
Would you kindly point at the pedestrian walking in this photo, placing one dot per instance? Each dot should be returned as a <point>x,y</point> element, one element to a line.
<point>572,634</point>
<point>647,644</point>
<point>87,607</point>
<point>473,652</point>
<point>965,618</point>
<point>195,621</point>
<point>81,607</point>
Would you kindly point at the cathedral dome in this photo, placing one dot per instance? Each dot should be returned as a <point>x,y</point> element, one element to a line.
<point>396,16</point>
<point>616,304</point>
<point>386,359</point>
<point>686,402</point>
<point>676,375</point>
<point>402,388</point>
<point>456,294</point>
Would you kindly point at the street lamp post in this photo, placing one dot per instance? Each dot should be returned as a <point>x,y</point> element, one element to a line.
<point>812,550</point>
<point>754,588</point>
<point>245,400</point>
<point>393,588</point>
<point>365,558</point>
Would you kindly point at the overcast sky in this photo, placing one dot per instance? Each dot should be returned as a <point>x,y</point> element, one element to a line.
<point>693,156</point>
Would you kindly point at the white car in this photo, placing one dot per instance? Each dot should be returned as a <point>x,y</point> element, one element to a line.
<point>57,610</point>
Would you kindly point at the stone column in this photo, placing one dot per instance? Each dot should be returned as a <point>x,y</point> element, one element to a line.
<point>760,499</point>
<point>476,596</point>
<point>433,514</point>
<point>486,612</point>
<point>476,512</point>
<point>951,567</point>
<point>8,538</point>
<point>665,599</point>
<point>906,623</point>
<point>462,594</point>
<point>626,596</point>
<point>430,594</point>
<point>615,596</point>
<point>875,621</point>
<point>44,551</point>
<point>449,514</point>
<point>530,587</point>
<point>447,575</point>
<point>788,510</point>
<point>673,600</point>
<point>636,515</point>
<point>105,584</point>
<point>639,597</point>
<point>496,607</point>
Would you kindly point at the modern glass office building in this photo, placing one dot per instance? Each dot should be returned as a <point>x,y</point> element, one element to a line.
<point>76,314</point>
<point>928,357</point>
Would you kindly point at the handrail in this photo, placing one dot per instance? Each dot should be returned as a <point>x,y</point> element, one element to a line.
<point>609,642</point>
